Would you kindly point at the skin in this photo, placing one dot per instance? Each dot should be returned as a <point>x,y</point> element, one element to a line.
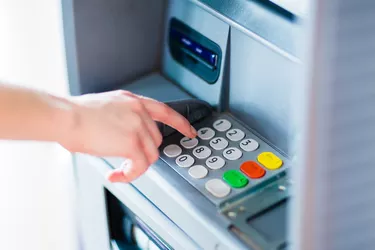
<point>110,124</point>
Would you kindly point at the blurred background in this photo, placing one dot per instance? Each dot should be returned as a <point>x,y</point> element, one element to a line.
<point>36,181</point>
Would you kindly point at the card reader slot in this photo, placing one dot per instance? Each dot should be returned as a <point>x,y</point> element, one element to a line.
<point>194,51</point>
<point>196,58</point>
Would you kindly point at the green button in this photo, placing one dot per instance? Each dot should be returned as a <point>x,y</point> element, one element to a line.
<point>235,178</point>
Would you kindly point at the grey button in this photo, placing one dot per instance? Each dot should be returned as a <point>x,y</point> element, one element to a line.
<point>232,153</point>
<point>219,143</point>
<point>249,145</point>
<point>185,161</point>
<point>198,172</point>
<point>215,162</point>
<point>206,133</point>
<point>222,125</point>
<point>202,152</point>
<point>172,150</point>
<point>217,188</point>
<point>187,142</point>
<point>235,134</point>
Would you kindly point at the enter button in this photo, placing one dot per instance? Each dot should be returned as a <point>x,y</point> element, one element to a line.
<point>235,178</point>
<point>252,169</point>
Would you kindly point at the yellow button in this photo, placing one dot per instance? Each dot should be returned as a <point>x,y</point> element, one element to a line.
<point>270,161</point>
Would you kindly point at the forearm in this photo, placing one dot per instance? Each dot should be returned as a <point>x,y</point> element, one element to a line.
<point>27,114</point>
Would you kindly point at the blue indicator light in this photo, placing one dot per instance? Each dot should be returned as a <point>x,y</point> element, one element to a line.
<point>194,47</point>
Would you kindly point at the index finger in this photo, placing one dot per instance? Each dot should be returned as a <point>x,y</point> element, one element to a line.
<point>162,113</point>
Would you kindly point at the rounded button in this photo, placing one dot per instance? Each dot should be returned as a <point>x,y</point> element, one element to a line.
<point>270,160</point>
<point>232,154</point>
<point>252,169</point>
<point>235,134</point>
<point>219,143</point>
<point>185,161</point>
<point>249,145</point>
<point>198,172</point>
<point>172,150</point>
<point>222,125</point>
<point>187,142</point>
<point>202,152</point>
<point>217,188</point>
<point>235,178</point>
<point>206,133</point>
<point>215,162</point>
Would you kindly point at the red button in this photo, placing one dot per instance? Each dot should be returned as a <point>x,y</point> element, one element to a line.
<point>252,169</point>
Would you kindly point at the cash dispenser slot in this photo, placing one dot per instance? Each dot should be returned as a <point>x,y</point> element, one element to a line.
<point>194,51</point>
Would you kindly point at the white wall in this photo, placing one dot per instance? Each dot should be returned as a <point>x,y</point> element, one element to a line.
<point>36,193</point>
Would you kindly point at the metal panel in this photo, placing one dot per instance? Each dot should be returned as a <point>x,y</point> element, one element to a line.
<point>261,83</point>
<point>335,201</point>
<point>110,42</point>
<point>209,26</point>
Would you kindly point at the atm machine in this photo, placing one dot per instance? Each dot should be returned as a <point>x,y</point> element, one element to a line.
<point>233,64</point>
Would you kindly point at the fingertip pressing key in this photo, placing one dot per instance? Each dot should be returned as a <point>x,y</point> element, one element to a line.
<point>193,132</point>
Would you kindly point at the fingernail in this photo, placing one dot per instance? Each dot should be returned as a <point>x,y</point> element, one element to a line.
<point>192,129</point>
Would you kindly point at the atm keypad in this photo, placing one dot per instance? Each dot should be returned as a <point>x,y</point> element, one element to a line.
<point>224,160</point>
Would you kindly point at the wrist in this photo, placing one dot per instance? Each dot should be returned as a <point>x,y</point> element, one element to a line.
<point>67,122</point>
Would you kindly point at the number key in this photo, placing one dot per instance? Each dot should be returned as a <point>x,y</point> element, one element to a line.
<point>185,161</point>
<point>249,145</point>
<point>215,162</point>
<point>206,133</point>
<point>222,125</point>
<point>218,143</point>
<point>235,134</point>
<point>202,152</point>
<point>232,153</point>
<point>187,142</point>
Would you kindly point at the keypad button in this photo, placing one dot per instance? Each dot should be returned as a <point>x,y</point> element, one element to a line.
<point>185,161</point>
<point>215,162</point>
<point>249,145</point>
<point>187,142</point>
<point>172,150</point>
<point>202,152</point>
<point>206,133</point>
<point>219,143</point>
<point>232,154</point>
<point>222,125</point>
<point>217,188</point>
<point>252,169</point>
<point>235,179</point>
<point>198,172</point>
<point>270,160</point>
<point>235,134</point>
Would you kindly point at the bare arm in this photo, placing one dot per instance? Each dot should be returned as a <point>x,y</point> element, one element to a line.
<point>27,114</point>
<point>116,123</point>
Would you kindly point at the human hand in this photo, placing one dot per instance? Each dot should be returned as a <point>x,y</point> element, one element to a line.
<point>122,124</point>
